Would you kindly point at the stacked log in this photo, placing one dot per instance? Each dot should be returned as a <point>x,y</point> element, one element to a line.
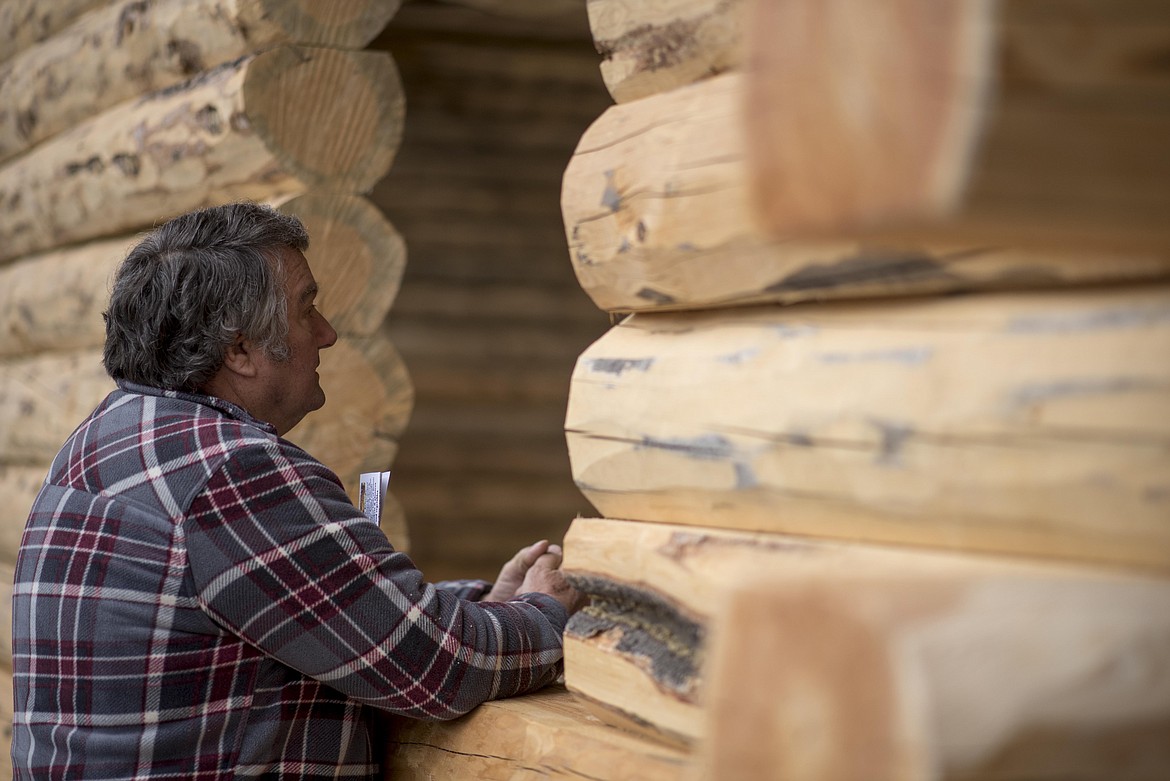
<point>118,115</point>
<point>857,528</point>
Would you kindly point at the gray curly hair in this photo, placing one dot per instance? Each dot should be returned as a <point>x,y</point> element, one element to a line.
<point>190,287</point>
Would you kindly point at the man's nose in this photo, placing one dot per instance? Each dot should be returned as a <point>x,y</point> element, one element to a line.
<point>326,335</point>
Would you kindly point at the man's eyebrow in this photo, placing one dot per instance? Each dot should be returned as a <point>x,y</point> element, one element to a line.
<point>310,292</point>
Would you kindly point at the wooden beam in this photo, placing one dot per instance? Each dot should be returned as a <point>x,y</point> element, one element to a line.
<point>1024,122</point>
<point>55,300</point>
<point>43,398</point>
<point>251,129</point>
<point>883,678</point>
<point>130,48</point>
<point>645,651</point>
<point>658,212</point>
<point>656,45</point>
<point>544,735</point>
<point>1023,423</point>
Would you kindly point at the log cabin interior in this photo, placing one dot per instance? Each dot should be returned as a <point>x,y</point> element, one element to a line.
<point>832,339</point>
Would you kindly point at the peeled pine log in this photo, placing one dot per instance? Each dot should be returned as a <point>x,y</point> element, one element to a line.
<point>55,300</point>
<point>369,398</point>
<point>547,734</point>
<point>43,398</point>
<point>24,22</point>
<point>658,212</point>
<point>656,45</point>
<point>131,47</point>
<point>1023,122</point>
<point>251,129</point>
<point>357,257</point>
<point>640,652</point>
<point>1022,423</point>
<point>893,679</point>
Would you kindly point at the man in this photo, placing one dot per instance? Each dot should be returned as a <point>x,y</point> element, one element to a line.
<point>196,597</point>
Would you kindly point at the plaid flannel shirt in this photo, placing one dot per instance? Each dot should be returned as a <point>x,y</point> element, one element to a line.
<point>197,598</point>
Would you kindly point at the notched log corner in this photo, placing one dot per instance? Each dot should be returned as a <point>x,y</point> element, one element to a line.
<point>644,626</point>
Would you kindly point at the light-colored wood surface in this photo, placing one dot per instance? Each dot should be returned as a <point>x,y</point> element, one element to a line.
<point>1033,423</point>
<point>43,398</point>
<point>24,22</point>
<point>641,651</point>
<point>6,707</point>
<point>55,300</point>
<point>19,485</point>
<point>658,214</point>
<point>1022,122</point>
<point>7,579</point>
<point>955,677</point>
<point>369,397</point>
<point>547,734</point>
<point>267,127</point>
<point>357,257</point>
<point>129,48</point>
<point>653,46</point>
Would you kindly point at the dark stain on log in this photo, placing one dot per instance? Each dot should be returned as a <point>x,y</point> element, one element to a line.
<point>93,165</point>
<point>641,231</point>
<point>128,164</point>
<point>865,268</point>
<point>706,447</point>
<point>26,121</point>
<point>1083,321</point>
<point>205,77</point>
<point>1040,393</point>
<point>683,545</point>
<point>655,296</point>
<point>665,45</point>
<point>650,627</point>
<point>893,439</point>
<point>610,197</point>
<point>128,20</point>
<point>209,119</point>
<point>188,54</point>
<point>619,365</point>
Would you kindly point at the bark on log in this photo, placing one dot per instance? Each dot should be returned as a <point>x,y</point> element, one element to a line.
<point>369,401</point>
<point>251,129</point>
<point>1021,423</point>
<point>24,22</point>
<point>547,734</point>
<point>1019,122</point>
<point>657,45</point>
<point>960,677</point>
<point>133,47</point>
<point>658,213</point>
<point>356,255</point>
<point>641,651</point>
<point>43,398</point>
<point>55,300</point>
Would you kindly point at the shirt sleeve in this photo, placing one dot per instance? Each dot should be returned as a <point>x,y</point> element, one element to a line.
<point>282,558</point>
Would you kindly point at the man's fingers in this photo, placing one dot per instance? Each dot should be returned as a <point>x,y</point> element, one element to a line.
<point>529,555</point>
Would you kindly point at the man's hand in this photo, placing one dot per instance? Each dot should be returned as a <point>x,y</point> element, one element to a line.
<point>545,576</point>
<point>512,574</point>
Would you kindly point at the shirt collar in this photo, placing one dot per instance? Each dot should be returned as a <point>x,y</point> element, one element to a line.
<point>226,407</point>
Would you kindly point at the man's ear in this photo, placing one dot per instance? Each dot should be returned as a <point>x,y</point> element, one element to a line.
<point>240,357</point>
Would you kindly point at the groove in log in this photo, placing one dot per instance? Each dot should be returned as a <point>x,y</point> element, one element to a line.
<point>357,257</point>
<point>546,734</point>
<point>369,398</point>
<point>640,653</point>
<point>1022,122</point>
<point>656,45</point>
<point>657,209</point>
<point>25,22</point>
<point>252,129</point>
<point>55,300</point>
<point>956,678</point>
<point>522,8</point>
<point>1021,423</point>
<point>45,397</point>
<point>131,47</point>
